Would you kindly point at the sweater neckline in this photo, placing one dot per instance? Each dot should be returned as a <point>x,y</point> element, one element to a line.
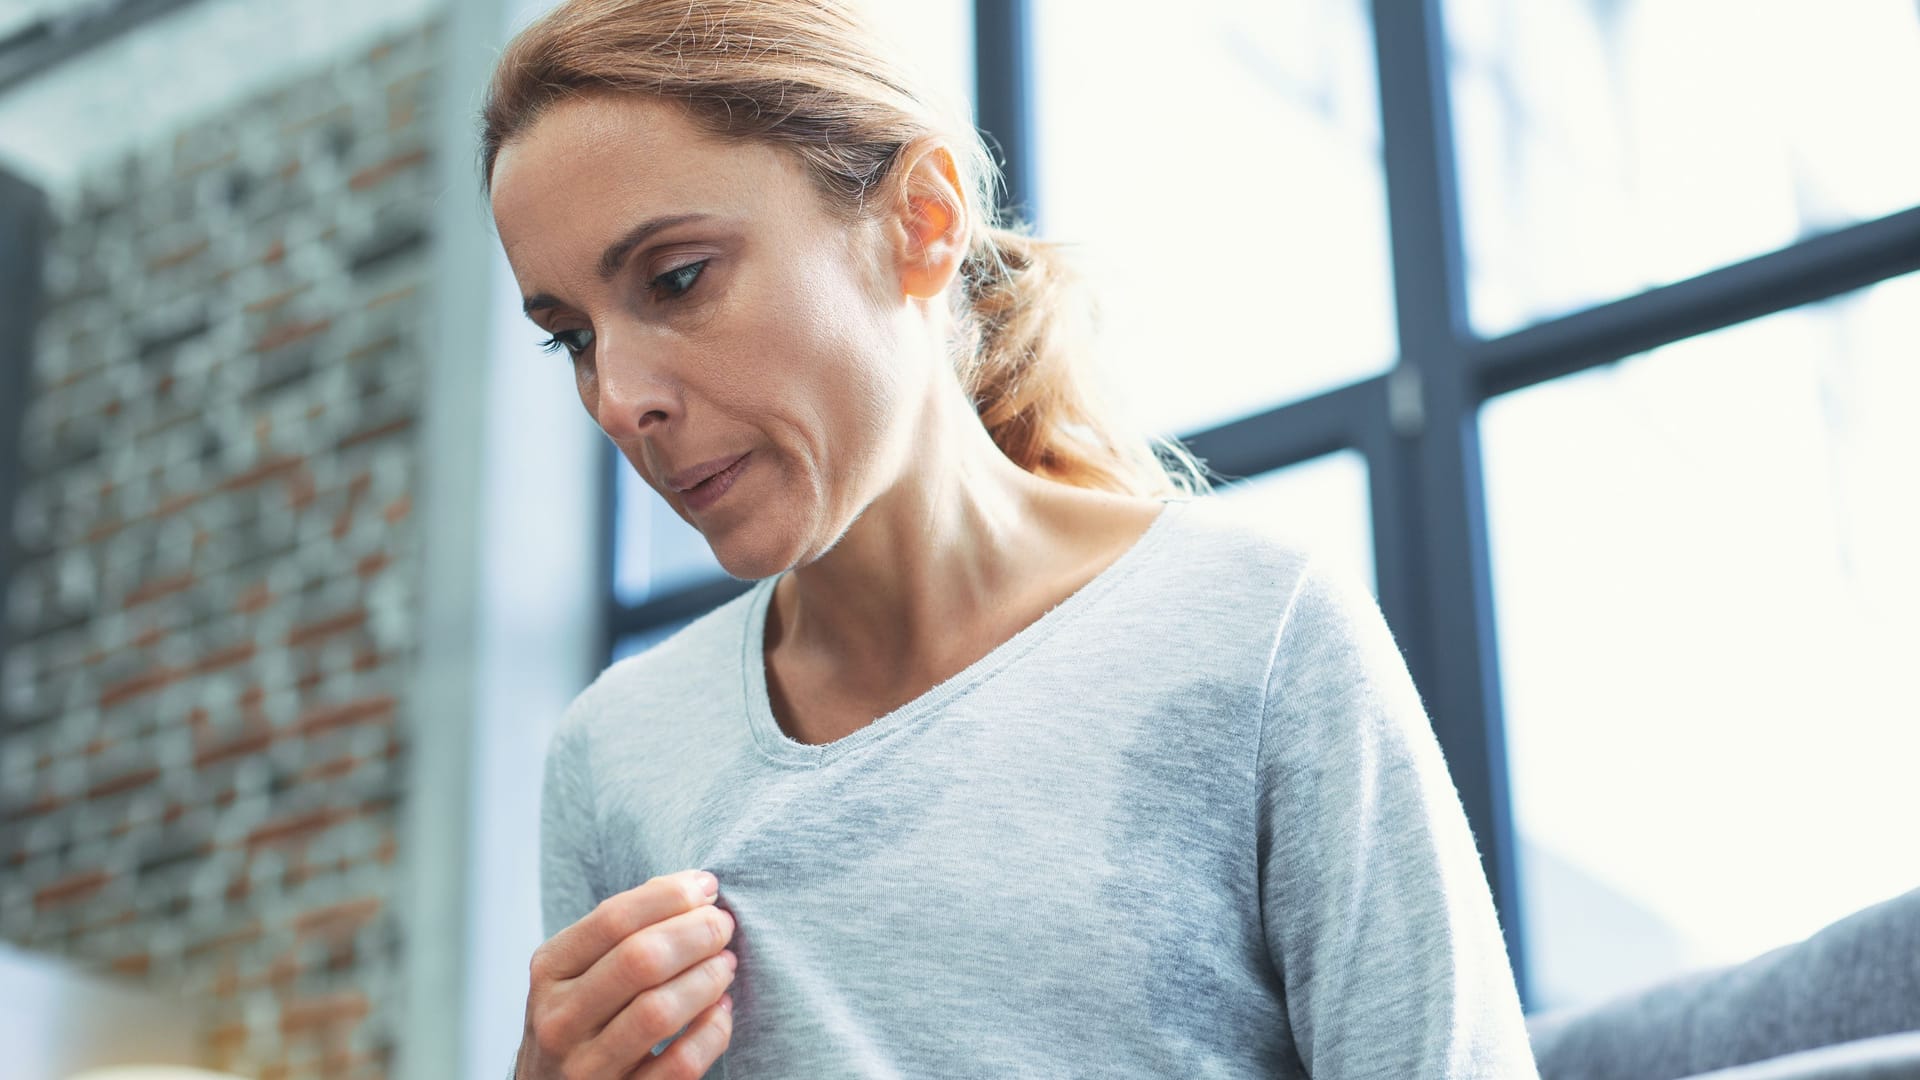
<point>783,749</point>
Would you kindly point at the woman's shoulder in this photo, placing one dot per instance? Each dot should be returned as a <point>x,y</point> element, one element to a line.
<point>689,662</point>
<point>1228,540</point>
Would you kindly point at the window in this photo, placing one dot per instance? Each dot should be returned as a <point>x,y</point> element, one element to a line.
<point>1543,316</point>
<point>1702,558</point>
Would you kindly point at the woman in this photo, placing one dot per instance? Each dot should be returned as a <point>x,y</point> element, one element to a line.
<point>1019,758</point>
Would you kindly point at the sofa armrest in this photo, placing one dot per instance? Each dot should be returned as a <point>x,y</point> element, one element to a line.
<point>1884,1057</point>
<point>1857,979</point>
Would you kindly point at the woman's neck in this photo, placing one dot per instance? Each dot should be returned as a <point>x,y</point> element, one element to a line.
<point>961,546</point>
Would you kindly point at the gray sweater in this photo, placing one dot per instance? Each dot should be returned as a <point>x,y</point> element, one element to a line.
<point>1192,822</point>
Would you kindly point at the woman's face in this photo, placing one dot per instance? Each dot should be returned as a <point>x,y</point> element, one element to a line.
<point>715,314</point>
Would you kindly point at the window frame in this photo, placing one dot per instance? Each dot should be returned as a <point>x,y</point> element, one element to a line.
<point>1416,424</point>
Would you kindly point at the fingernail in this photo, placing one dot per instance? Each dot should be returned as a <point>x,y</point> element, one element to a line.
<point>709,884</point>
<point>726,1003</point>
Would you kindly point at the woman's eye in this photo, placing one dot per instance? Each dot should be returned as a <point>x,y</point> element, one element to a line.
<point>574,341</point>
<point>675,283</point>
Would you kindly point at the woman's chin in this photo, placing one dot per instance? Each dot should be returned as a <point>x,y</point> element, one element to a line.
<point>745,560</point>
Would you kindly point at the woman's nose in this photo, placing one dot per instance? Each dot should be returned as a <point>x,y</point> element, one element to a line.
<point>634,392</point>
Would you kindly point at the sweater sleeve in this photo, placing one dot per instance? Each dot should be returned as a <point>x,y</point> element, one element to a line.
<point>1377,913</point>
<point>569,837</point>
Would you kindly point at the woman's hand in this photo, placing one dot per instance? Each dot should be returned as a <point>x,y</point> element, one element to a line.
<point>629,974</point>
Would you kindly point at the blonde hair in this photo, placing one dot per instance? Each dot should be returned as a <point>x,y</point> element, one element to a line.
<point>807,76</point>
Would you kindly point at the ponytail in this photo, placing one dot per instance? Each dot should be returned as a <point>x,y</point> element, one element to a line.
<point>1024,323</point>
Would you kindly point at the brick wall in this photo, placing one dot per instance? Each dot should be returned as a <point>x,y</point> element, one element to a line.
<point>203,711</point>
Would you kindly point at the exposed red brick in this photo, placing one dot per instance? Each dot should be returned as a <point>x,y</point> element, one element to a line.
<point>242,745</point>
<point>284,969</point>
<point>95,746</point>
<point>164,386</point>
<point>301,490</point>
<point>123,783</point>
<point>177,256</point>
<point>271,467</point>
<point>94,656</point>
<point>104,529</point>
<point>366,660</point>
<point>112,407</point>
<point>333,717</point>
<point>370,565</point>
<point>298,827</point>
<point>135,964</point>
<point>368,434</point>
<point>173,504</point>
<point>290,332</point>
<point>191,168</point>
<point>326,1010</point>
<point>241,935</point>
<point>238,888</point>
<point>389,847</point>
<point>328,770</point>
<point>227,657</point>
<point>252,696</point>
<point>47,803</point>
<point>319,628</point>
<point>402,293</point>
<point>342,523</point>
<point>134,686</point>
<point>359,485</point>
<point>398,509</point>
<point>337,920</point>
<point>70,889</point>
<point>376,345</point>
<point>159,587</point>
<point>119,918</point>
<point>149,637</point>
<point>374,175</point>
<point>174,812</point>
<point>268,303</point>
<point>256,597</point>
<point>275,252</point>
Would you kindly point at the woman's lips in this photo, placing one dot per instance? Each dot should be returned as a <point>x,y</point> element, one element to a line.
<point>703,495</point>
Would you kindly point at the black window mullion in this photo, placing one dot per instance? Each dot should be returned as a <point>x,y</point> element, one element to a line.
<point>1436,576</point>
<point>1003,96</point>
<point>1816,269</point>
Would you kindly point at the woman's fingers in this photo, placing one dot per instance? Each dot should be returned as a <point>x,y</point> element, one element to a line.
<point>692,1054</point>
<point>690,1000</point>
<point>573,950</point>
<point>568,1014</point>
<point>645,960</point>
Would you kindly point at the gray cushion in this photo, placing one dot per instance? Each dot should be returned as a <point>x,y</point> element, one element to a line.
<point>1887,1057</point>
<point>1856,979</point>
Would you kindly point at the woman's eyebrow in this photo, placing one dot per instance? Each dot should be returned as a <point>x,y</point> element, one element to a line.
<point>616,254</point>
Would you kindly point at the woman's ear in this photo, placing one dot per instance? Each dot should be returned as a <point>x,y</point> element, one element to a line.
<point>932,218</point>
